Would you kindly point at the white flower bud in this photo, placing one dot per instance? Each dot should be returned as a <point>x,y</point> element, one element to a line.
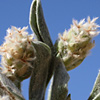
<point>17,52</point>
<point>75,44</point>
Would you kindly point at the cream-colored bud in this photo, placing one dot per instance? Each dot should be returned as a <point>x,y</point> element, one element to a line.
<point>75,44</point>
<point>17,52</point>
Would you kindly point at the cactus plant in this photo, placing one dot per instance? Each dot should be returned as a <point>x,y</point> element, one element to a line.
<point>24,56</point>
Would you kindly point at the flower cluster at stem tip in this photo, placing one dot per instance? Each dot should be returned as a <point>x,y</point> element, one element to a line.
<point>16,52</point>
<point>75,44</point>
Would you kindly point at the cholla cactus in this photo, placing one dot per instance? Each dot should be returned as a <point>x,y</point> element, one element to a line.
<point>75,44</point>
<point>17,53</point>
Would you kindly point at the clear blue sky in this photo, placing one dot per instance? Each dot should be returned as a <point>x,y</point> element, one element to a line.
<point>58,15</point>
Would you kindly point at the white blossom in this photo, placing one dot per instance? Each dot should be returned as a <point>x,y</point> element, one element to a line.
<point>16,50</point>
<point>75,44</point>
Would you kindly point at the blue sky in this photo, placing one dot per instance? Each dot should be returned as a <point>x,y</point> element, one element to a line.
<point>58,15</point>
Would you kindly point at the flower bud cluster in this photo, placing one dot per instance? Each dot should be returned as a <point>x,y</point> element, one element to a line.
<point>16,52</point>
<point>75,44</point>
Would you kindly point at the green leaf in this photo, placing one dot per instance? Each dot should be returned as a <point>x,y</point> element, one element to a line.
<point>38,24</point>
<point>58,89</point>
<point>97,97</point>
<point>32,20</point>
<point>9,88</point>
<point>95,94</point>
<point>42,27</point>
<point>69,97</point>
<point>40,71</point>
